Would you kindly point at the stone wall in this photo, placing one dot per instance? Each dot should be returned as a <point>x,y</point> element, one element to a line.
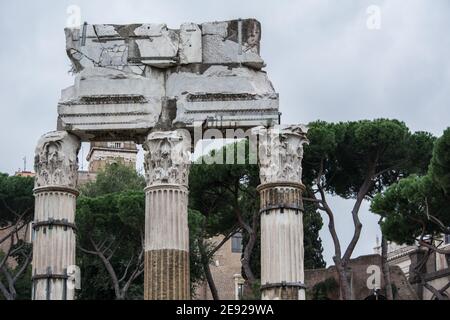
<point>359,276</point>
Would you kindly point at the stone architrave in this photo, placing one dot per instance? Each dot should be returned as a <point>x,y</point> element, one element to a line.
<point>167,163</point>
<point>54,228</point>
<point>280,160</point>
<point>127,76</point>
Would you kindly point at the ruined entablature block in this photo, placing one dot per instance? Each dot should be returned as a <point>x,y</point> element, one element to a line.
<point>132,78</point>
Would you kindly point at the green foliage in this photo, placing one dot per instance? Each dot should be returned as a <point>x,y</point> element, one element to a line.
<point>212,192</point>
<point>402,207</point>
<point>17,209</point>
<point>357,160</point>
<point>223,192</point>
<point>345,153</point>
<point>118,219</point>
<point>114,178</point>
<point>212,189</point>
<point>16,199</point>
<point>195,222</point>
<point>408,205</point>
<point>116,213</point>
<point>23,284</point>
<point>440,163</point>
<point>112,215</point>
<point>322,290</point>
<point>111,209</point>
<point>312,224</point>
<point>253,292</point>
<point>95,282</point>
<point>420,152</point>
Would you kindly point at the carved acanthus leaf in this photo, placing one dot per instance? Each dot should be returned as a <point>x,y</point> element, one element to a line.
<point>56,162</point>
<point>167,159</point>
<point>281,152</point>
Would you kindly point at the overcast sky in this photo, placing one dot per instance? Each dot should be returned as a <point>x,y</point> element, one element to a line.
<point>321,57</point>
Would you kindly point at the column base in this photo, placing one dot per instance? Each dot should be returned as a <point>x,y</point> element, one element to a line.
<point>283,291</point>
<point>166,275</point>
<point>282,254</point>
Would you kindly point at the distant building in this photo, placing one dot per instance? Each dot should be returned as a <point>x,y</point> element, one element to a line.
<point>366,278</point>
<point>24,174</point>
<point>436,269</point>
<point>226,271</point>
<point>85,177</point>
<point>102,154</point>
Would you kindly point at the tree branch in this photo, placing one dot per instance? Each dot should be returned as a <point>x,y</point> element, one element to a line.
<point>221,243</point>
<point>136,273</point>
<point>434,248</point>
<point>109,269</point>
<point>24,266</point>
<point>126,269</point>
<point>363,190</point>
<point>331,225</point>
<point>436,292</point>
<point>15,229</point>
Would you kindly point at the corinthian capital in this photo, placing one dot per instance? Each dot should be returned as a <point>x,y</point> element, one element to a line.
<point>55,161</point>
<point>281,152</point>
<point>167,158</point>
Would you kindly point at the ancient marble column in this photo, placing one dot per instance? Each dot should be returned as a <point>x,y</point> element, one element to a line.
<point>167,163</point>
<point>55,194</point>
<point>280,156</point>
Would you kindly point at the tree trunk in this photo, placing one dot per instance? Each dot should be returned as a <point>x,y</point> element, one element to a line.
<point>211,283</point>
<point>207,271</point>
<point>5,292</point>
<point>109,268</point>
<point>345,274</point>
<point>344,286</point>
<point>120,296</point>
<point>11,291</point>
<point>252,235</point>
<point>344,281</point>
<point>386,272</point>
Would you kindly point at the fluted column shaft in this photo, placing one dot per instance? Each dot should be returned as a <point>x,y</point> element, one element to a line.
<point>54,218</point>
<point>282,253</point>
<point>166,275</point>
<point>282,273</point>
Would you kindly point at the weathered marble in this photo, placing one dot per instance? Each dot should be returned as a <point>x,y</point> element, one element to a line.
<point>280,156</point>
<point>236,41</point>
<point>54,218</point>
<point>108,103</point>
<point>211,73</point>
<point>190,43</point>
<point>232,97</point>
<point>167,162</point>
<point>55,161</point>
<point>281,153</point>
<point>167,157</point>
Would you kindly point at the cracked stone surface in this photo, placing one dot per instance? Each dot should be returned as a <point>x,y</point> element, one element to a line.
<point>126,75</point>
